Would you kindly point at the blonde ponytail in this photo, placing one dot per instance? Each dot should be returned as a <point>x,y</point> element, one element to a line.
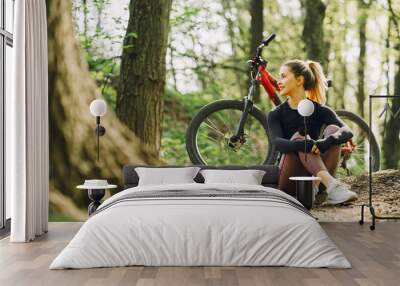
<point>315,83</point>
<point>317,92</point>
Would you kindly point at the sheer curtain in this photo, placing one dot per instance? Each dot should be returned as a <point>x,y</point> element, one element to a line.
<point>27,144</point>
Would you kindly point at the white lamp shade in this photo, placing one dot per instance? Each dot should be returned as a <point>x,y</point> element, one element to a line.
<point>98,107</point>
<point>305,107</point>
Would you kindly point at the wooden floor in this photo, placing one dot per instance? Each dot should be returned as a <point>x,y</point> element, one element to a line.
<point>374,255</point>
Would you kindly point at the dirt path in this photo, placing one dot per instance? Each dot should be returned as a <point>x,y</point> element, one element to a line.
<point>386,198</point>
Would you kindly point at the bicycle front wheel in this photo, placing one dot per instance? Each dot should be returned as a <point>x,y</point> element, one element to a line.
<point>207,136</point>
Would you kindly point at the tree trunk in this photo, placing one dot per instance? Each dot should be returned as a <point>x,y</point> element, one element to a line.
<point>139,102</point>
<point>343,72</point>
<point>387,74</point>
<point>336,30</point>
<point>237,43</point>
<point>71,126</point>
<point>313,32</point>
<point>391,142</point>
<point>256,33</point>
<point>362,31</point>
<point>339,80</point>
<point>341,101</point>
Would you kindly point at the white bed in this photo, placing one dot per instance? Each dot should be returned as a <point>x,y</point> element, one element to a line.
<point>206,230</point>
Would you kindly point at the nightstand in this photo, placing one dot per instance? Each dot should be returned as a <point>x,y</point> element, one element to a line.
<point>304,190</point>
<point>96,190</point>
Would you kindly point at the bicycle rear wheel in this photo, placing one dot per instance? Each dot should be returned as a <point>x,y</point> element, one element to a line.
<point>358,161</point>
<point>209,131</point>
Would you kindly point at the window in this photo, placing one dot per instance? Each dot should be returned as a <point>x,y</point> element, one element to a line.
<point>6,65</point>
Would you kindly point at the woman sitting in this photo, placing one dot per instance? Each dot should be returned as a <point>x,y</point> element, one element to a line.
<point>300,80</point>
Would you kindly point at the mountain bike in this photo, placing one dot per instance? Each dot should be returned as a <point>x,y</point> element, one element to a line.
<point>234,132</point>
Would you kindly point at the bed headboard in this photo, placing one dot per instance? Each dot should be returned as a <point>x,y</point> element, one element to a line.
<point>270,179</point>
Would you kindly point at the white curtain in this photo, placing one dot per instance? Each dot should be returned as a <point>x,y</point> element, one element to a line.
<point>27,143</point>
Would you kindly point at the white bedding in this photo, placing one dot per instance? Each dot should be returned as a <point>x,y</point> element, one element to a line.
<point>200,231</point>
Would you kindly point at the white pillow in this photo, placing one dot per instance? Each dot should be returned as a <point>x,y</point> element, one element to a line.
<point>163,176</point>
<point>248,177</point>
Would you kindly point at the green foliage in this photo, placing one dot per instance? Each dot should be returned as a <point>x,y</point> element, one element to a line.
<point>104,68</point>
<point>131,35</point>
<point>188,13</point>
<point>179,108</point>
<point>57,216</point>
<point>104,71</point>
<point>127,46</point>
<point>100,4</point>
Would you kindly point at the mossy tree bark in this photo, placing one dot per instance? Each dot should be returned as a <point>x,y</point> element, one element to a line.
<point>71,126</point>
<point>391,141</point>
<point>313,32</point>
<point>362,33</point>
<point>256,33</point>
<point>139,102</point>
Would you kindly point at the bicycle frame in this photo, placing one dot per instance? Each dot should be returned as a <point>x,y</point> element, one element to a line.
<point>270,85</point>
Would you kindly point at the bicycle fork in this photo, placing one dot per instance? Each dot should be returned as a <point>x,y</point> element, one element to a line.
<point>238,138</point>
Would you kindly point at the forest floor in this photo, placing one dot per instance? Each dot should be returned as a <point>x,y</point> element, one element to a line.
<point>386,198</point>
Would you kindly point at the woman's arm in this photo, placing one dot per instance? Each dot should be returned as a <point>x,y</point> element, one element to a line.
<point>281,144</point>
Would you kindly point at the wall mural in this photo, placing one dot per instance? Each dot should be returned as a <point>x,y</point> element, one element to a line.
<point>157,63</point>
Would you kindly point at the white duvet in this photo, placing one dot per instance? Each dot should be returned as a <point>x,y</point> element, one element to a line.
<point>200,231</point>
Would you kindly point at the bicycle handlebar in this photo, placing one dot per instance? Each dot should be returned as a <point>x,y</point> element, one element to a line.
<point>264,44</point>
<point>269,39</point>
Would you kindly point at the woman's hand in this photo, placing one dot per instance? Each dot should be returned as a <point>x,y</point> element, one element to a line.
<point>315,150</point>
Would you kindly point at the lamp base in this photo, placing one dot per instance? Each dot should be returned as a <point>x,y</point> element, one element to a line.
<point>95,196</point>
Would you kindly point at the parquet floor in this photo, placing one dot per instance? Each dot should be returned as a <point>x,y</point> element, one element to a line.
<point>375,256</point>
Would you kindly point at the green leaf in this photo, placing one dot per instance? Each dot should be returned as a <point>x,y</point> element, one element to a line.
<point>127,46</point>
<point>132,35</point>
